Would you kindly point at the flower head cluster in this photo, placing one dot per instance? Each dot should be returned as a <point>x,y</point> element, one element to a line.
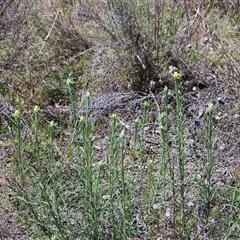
<point>36,109</point>
<point>176,75</point>
<point>114,116</point>
<point>16,114</point>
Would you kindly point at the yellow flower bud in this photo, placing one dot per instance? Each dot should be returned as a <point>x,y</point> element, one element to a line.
<point>16,114</point>
<point>36,109</point>
<point>114,116</point>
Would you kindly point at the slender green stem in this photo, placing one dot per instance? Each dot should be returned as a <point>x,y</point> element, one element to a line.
<point>181,156</point>
<point>165,164</point>
<point>113,169</point>
<point>207,167</point>
<point>123,193</point>
<point>19,165</point>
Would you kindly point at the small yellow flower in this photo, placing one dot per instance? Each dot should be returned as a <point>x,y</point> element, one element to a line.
<point>114,116</point>
<point>177,75</point>
<point>16,114</point>
<point>87,94</point>
<point>36,109</point>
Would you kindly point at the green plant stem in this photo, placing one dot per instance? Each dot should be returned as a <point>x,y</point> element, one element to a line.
<point>91,183</point>
<point>181,155</point>
<point>207,167</point>
<point>19,165</point>
<point>113,170</point>
<point>165,164</point>
<point>123,193</point>
<point>74,114</point>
